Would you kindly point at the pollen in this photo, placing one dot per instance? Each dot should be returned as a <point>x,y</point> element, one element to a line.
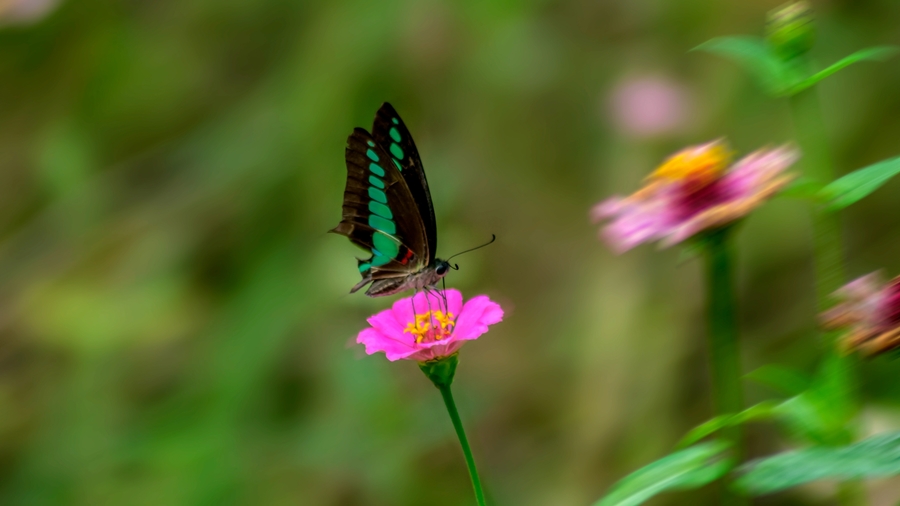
<point>431,326</point>
<point>701,164</point>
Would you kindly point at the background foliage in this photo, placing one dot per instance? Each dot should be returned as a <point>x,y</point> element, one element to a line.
<point>174,318</point>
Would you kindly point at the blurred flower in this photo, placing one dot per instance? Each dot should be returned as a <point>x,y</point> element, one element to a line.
<point>790,30</point>
<point>25,11</point>
<point>691,192</point>
<point>648,106</point>
<point>425,327</point>
<point>870,311</point>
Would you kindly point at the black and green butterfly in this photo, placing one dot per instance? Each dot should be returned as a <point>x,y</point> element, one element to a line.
<point>388,210</point>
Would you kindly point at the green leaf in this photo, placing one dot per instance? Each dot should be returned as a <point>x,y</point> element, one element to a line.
<point>880,53</point>
<point>803,188</point>
<point>686,469</point>
<point>859,183</point>
<point>783,379</point>
<point>805,418</point>
<point>814,417</point>
<point>759,411</point>
<point>876,457</point>
<point>757,57</point>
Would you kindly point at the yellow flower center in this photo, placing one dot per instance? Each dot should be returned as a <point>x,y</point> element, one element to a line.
<point>701,164</point>
<point>431,325</point>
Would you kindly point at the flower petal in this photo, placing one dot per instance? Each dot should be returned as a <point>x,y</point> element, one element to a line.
<point>753,172</point>
<point>386,323</point>
<point>476,315</point>
<point>454,301</point>
<point>635,224</point>
<point>375,341</point>
<point>403,309</point>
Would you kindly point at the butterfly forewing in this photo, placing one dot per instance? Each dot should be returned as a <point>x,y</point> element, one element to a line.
<point>391,133</point>
<point>380,213</point>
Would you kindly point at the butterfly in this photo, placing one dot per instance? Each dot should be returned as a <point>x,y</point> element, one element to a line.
<point>388,211</point>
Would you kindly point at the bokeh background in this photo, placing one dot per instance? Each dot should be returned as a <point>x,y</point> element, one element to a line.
<point>175,327</point>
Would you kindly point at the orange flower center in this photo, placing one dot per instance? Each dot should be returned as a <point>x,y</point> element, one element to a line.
<point>700,165</point>
<point>431,326</point>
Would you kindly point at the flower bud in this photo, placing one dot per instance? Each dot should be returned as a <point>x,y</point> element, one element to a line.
<point>790,30</point>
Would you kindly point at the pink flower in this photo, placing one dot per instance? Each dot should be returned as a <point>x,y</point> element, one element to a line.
<point>648,106</point>
<point>424,328</point>
<point>870,311</point>
<point>25,12</point>
<point>692,191</point>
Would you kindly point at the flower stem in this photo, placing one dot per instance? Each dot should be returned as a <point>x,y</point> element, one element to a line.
<point>463,441</point>
<point>725,362</point>
<point>828,257</point>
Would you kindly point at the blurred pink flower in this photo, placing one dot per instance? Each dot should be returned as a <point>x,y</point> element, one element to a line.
<point>25,11</point>
<point>424,328</point>
<point>693,191</point>
<point>648,106</point>
<point>870,311</point>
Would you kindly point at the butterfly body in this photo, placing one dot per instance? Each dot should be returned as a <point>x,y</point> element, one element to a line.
<point>387,209</point>
<point>424,278</point>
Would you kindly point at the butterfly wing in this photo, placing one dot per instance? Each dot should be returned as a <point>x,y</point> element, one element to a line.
<point>380,213</point>
<point>391,133</point>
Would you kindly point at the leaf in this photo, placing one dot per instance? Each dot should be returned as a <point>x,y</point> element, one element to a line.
<point>783,379</point>
<point>803,188</point>
<point>823,411</point>
<point>859,183</point>
<point>686,469</point>
<point>805,418</point>
<point>756,56</point>
<point>880,53</point>
<point>876,457</point>
<point>757,412</point>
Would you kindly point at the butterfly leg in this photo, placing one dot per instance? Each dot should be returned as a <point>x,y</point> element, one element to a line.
<point>412,302</point>
<point>441,295</point>
<point>437,295</point>
<point>444,294</point>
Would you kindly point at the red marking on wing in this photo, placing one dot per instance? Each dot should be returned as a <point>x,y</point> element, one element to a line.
<point>407,257</point>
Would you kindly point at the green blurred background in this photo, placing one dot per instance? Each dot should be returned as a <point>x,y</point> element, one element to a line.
<point>175,322</point>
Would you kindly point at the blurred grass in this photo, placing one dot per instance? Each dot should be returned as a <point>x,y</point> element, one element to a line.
<point>174,322</point>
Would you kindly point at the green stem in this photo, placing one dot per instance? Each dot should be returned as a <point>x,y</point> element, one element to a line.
<point>725,362</point>
<point>464,442</point>
<point>828,257</point>
<point>816,163</point>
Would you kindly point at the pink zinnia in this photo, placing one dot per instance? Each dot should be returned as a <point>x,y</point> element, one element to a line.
<point>648,106</point>
<point>870,311</point>
<point>693,191</point>
<point>425,327</point>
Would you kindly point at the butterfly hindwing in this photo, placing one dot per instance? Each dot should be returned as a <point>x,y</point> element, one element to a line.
<point>380,213</point>
<point>391,133</point>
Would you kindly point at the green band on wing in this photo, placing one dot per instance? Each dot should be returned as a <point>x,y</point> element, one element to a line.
<point>372,144</point>
<point>377,183</point>
<point>385,245</point>
<point>364,267</point>
<point>381,210</point>
<point>372,155</point>
<point>378,195</point>
<point>376,169</point>
<point>397,164</point>
<point>379,223</point>
<point>394,134</point>
<point>378,259</point>
<point>396,151</point>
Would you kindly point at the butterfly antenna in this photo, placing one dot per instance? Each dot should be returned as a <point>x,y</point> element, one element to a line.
<point>493,238</point>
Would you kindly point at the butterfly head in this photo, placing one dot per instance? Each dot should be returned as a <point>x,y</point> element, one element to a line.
<point>441,267</point>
